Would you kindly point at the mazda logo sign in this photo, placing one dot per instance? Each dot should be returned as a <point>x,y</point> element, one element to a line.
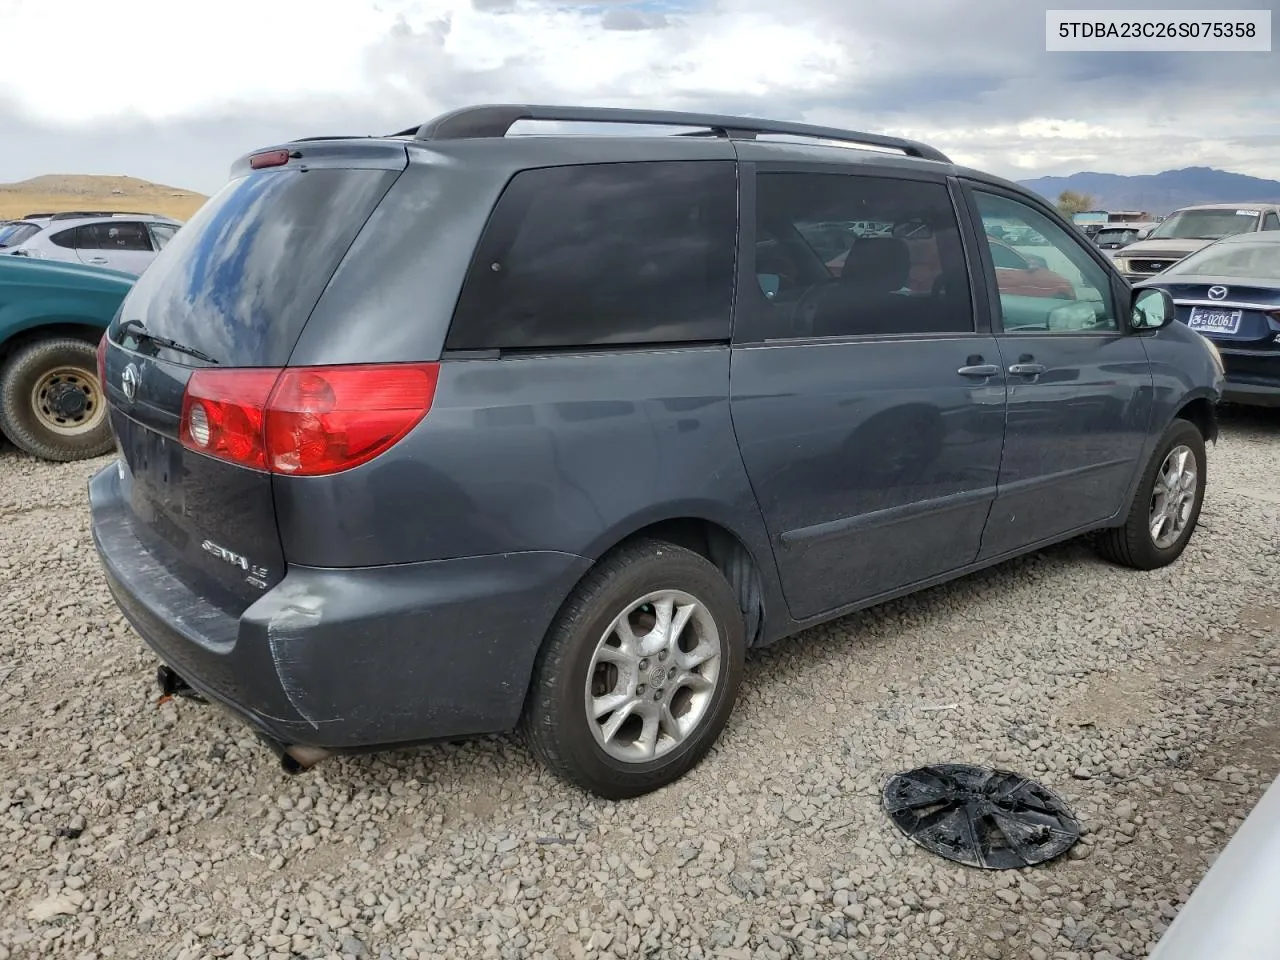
<point>129,381</point>
<point>1218,293</point>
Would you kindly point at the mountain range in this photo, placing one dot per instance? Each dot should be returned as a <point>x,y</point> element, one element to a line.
<point>1160,193</point>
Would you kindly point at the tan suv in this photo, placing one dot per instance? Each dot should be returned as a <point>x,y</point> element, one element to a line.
<point>1187,230</point>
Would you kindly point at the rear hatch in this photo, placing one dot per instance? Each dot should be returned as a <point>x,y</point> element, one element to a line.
<point>233,289</point>
<point>1235,313</point>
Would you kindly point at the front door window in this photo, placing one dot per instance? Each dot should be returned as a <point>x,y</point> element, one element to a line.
<point>1047,281</point>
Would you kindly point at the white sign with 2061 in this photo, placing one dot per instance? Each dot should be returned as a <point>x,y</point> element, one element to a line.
<point>1214,320</point>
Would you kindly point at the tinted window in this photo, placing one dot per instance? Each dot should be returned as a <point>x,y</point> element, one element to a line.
<point>161,233</point>
<point>850,255</point>
<point>604,254</point>
<point>64,238</point>
<point>1271,221</point>
<point>1115,238</point>
<point>1052,286</point>
<point>113,235</point>
<point>239,280</point>
<point>13,234</point>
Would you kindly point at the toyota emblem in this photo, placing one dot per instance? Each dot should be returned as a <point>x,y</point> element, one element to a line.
<point>129,381</point>
<point>1218,293</point>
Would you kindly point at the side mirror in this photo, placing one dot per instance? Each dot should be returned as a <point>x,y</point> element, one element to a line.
<point>1152,309</point>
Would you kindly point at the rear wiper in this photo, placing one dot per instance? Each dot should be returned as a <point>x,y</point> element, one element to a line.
<point>138,331</point>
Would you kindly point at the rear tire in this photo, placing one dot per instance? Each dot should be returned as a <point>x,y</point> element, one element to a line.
<point>673,688</point>
<point>1161,519</point>
<point>51,403</point>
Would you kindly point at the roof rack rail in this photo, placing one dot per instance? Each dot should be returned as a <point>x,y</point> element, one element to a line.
<point>77,214</point>
<point>495,120</point>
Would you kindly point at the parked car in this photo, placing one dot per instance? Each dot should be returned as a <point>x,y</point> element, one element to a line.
<point>1232,911</point>
<point>1117,236</point>
<point>557,454</point>
<point>1229,291</point>
<point>52,315</point>
<point>1187,230</point>
<point>1018,273</point>
<point>120,241</point>
<point>1028,276</point>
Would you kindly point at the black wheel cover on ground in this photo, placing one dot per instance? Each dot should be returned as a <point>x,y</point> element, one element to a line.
<point>980,817</point>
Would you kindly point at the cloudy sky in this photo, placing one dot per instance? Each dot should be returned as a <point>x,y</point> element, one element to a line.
<point>174,90</point>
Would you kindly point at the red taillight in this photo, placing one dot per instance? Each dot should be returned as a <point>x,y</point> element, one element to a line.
<point>305,421</point>
<point>272,158</point>
<point>102,361</point>
<point>223,412</point>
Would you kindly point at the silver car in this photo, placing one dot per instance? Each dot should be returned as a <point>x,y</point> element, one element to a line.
<point>1232,913</point>
<point>1185,231</point>
<point>1117,236</point>
<point>120,241</point>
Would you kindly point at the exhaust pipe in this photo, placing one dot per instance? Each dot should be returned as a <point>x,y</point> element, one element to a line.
<point>303,757</point>
<point>173,685</point>
<point>294,758</point>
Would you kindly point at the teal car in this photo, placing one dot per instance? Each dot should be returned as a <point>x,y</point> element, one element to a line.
<point>52,316</point>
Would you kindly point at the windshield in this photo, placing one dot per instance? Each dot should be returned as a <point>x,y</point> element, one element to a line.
<point>1205,224</point>
<point>1258,260</point>
<point>12,234</point>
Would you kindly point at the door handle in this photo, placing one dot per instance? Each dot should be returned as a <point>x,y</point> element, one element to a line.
<point>97,259</point>
<point>1026,369</point>
<point>979,370</point>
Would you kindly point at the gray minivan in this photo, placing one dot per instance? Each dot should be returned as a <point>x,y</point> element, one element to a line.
<point>448,432</point>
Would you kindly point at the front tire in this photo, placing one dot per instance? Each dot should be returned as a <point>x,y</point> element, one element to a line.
<point>51,403</point>
<point>1167,505</point>
<point>639,673</point>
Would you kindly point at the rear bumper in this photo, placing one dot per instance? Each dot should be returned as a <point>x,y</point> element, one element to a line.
<point>1252,394</point>
<point>346,659</point>
<point>1252,376</point>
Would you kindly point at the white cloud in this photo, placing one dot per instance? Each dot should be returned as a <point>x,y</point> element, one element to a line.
<point>72,61</point>
<point>181,87</point>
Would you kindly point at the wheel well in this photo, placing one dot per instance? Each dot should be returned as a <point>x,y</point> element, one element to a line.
<point>1203,416</point>
<point>48,331</point>
<point>722,547</point>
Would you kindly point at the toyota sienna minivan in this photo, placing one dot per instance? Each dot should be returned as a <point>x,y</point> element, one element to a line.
<point>451,432</point>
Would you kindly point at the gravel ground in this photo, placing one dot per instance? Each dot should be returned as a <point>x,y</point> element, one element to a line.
<point>1148,701</point>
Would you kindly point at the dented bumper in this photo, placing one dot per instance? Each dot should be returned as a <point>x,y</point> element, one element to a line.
<point>344,658</point>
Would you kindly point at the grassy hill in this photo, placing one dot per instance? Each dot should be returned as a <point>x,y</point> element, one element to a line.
<point>54,193</point>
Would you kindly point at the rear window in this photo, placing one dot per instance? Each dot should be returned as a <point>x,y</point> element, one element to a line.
<point>12,234</point>
<point>1234,260</point>
<point>239,280</point>
<point>1117,236</point>
<point>599,254</point>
